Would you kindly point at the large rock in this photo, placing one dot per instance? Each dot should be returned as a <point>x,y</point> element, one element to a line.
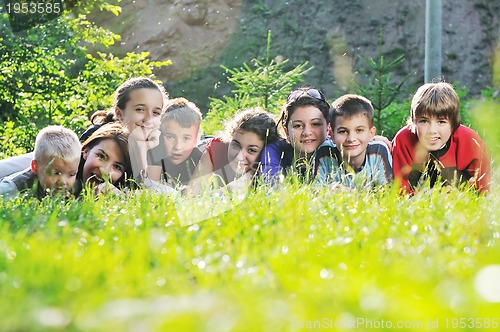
<point>198,36</point>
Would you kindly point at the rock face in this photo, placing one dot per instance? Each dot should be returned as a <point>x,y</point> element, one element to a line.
<point>200,35</point>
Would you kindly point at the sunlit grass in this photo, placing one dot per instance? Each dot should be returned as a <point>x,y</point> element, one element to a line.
<point>280,259</point>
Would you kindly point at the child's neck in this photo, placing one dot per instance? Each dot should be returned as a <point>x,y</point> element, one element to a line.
<point>355,162</point>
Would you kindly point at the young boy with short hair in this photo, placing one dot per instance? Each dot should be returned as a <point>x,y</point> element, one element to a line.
<point>174,159</point>
<point>435,146</point>
<point>356,159</point>
<point>54,166</point>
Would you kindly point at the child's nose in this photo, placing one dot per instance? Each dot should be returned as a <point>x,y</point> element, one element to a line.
<point>306,131</point>
<point>147,116</point>
<point>107,170</point>
<point>241,155</point>
<point>433,127</point>
<point>178,146</point>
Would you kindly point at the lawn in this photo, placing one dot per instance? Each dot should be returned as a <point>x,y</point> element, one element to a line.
<point>279,259</point>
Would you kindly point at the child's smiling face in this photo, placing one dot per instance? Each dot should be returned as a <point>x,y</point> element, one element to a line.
<point>306,129</point>
<point>244,151</point>
<point>104,161</point>
<point>433,132</point>
<point>56,175</point>
<point>351,135</point>
<point>143,110</point>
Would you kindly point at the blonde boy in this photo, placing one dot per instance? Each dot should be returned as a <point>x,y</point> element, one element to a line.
<point>434,145</point>
<point>177,154</point>
<point>356,158</point>
<point>53,168</point>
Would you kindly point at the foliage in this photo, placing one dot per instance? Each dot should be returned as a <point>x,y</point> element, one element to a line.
<point>380,88</point>
<point>394,117</point>
<point>273,262</point>
<point>266,85</point>
<point>50,77</point>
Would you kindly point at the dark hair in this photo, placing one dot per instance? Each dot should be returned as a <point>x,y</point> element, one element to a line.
<point>303,99</point>
<point>350,105</point>
<point>119,134</point>
<point>122,96</point>
<point>254,120</point>
<point>102,116</point>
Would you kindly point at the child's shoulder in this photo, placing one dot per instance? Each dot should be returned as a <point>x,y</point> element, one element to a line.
<point>465,132</point>
<point>405,133</point>
<point>466,136</point>
<point>377,147</point>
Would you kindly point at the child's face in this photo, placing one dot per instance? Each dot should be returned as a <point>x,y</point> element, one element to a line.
<point>179,141</point>
<point>433,132</point>
<point>307,129</point>
<point>143,110</point>
<point>55,174</point>
<point>244,151</point>
<point>104,161</point>
<point>351,135</point>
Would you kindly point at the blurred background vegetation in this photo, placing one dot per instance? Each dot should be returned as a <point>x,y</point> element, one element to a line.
<point>61,71</point>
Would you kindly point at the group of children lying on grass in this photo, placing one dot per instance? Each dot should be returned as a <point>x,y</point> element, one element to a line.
<point>152,142</point>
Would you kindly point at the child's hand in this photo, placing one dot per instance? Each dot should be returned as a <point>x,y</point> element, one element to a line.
<point>147,135</point>
<point>383,139</point>
<point>107,188</point>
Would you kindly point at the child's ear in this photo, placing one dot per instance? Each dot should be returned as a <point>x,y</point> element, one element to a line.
<point>118,113</point>
<point>329,130</point>
<point>34,167</point>
<point>286,134</point>
<point>373,131</point>
<point>85,153</point>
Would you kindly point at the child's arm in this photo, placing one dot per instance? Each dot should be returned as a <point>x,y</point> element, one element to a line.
<point>8,189</point>
<point>327,164</point>
<point>382,172</point>
<point>140,141</point>
<point>201,174</point>
<point>271,159</point>
<point>402,158</point>
<point>473,157</point>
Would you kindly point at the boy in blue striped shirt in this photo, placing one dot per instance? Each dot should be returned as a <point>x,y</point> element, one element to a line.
<point>356,160</point>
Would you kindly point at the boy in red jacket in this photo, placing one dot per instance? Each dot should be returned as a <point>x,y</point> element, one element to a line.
<point>434,146</point>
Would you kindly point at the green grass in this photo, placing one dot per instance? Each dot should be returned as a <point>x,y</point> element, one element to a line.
<point>279,260</point>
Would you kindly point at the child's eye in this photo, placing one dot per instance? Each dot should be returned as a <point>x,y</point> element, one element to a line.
<point>156,113</point>
<point>297,126</point>
<point>360,130</point>
<point>100,156</point>
<point>139,109</point>
<point>187,139</point>
<point>317,124</point>
<point>118,167</point>
<point>72,174</point>
<point>443,121</point>
<point>235,146</point>
<point>341,131</point>
<point>169,137</point>
<point>253,151</point>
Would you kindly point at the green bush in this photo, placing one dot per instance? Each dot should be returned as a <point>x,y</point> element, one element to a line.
<point>265,85</point>
<point>49,76</point>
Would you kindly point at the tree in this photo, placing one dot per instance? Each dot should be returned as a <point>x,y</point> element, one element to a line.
<point>49,76</point>
<point>380,88</point>
<point>266,85</point>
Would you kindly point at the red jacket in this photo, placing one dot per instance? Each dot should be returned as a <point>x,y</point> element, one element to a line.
<point>463,157</point>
